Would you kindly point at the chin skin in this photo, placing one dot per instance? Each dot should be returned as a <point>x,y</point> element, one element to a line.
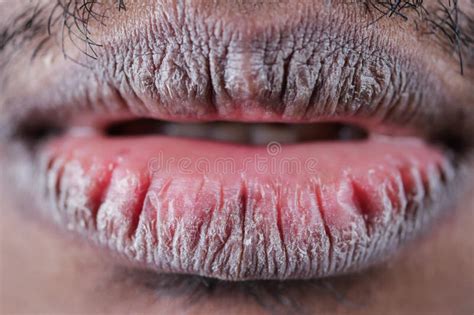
<point>60,275</point>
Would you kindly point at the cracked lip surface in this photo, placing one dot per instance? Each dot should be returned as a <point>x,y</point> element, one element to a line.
<point>171,205</point>
<point>355,204</point>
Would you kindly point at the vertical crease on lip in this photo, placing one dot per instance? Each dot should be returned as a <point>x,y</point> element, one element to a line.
<point>102,194</point>
<point>203,230</point>
<point>362,208</point>
<point>219,206</point>
<point>417,195</point>
<point>327,230</point>
<point>403,201</point>
<point>281,234</point>
<point>243,212</point>
<point>54,177</point>
<point>361,204</point>
<point>139,208</point>
<point>159,215</point>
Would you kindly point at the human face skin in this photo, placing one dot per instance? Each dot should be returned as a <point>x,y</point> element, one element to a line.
<point>404,100</point>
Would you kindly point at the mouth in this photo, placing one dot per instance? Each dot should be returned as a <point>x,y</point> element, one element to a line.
<point>250,162</point>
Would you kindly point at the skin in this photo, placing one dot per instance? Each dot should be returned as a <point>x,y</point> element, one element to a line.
<point>61,274</point>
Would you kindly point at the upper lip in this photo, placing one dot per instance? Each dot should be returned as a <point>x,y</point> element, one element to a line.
<point>212,67</point>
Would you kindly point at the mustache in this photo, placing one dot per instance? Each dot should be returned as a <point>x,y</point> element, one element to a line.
<point>449,27</point>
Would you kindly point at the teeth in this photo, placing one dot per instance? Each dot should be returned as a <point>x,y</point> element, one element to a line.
<point>190,130</point>
<point>229,132</point>
<point>263,134</point>
<point>258,133</point>
<point>82,131</point>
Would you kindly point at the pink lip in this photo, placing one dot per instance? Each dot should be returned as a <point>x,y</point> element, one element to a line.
<point>206,208</point>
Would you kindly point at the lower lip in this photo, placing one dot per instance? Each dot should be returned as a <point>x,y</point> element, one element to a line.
<point>237,212</point>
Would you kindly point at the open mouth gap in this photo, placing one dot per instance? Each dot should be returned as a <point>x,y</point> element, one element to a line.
<point>247,133</point>
<point>240,132</point>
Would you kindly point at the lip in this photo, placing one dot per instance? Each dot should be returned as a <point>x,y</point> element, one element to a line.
<point>189,206</point>
<point>347,206</point>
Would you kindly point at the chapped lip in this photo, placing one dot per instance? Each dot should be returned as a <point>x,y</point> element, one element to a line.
<point>357,204</point>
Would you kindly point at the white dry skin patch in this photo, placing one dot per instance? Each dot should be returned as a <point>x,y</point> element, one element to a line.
<point>250,230</point>
<point>113,223</point>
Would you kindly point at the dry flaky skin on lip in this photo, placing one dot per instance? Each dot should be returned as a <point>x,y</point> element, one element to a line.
<point>245,226</point>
